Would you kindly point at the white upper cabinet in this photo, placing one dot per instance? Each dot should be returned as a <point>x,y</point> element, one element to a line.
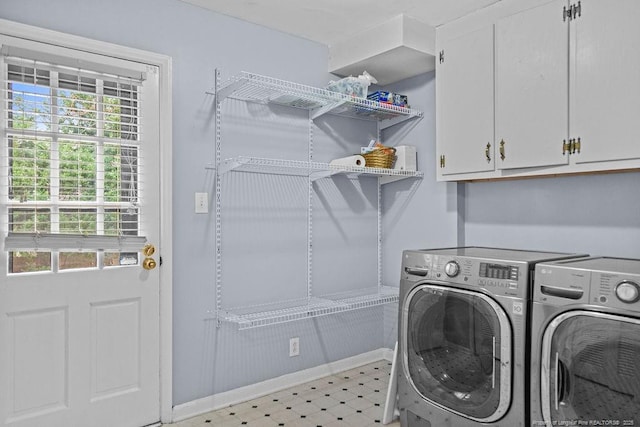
<point>532,53</point>
<point>566,92</point>
<point>605,76</point>
<point>464,69</point>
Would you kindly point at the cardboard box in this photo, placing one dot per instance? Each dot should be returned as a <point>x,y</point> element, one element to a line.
<point>389,98</point>
<point>406,158</point>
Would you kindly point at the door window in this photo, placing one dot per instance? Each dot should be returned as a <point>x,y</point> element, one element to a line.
<point>70,163</point>
<point>591,369</point>
<point>457,343</point>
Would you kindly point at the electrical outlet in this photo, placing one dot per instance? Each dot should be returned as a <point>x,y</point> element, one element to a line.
<point>202,202</point>
<point>294,347</point>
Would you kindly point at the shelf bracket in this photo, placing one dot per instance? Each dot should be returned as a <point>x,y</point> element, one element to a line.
<point>384,124</point>
<point>228,166</point>
<point>226,91</point>
<point>314,176</point>
<point>317,112</point>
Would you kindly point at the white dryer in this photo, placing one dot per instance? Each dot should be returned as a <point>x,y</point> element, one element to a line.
<point>585,342</point>
<point>463,336</point>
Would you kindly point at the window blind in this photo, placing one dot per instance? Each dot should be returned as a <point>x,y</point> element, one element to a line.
<point>71,161</point>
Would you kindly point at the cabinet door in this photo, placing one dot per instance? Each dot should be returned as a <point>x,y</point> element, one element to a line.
<point>464,89</point>
<point>532,49</point>
<point>605,74</point>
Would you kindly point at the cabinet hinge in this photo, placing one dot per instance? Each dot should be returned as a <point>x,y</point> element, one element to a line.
<point>577,10</point>
<point>441,56</point>
<point>571,147</point>
<point>572,12</point>
<point>442,161</point>
<point>502,155</point>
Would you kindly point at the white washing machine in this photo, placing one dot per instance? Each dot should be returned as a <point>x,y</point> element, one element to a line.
<point>463,336</point>
<point>585,342</point>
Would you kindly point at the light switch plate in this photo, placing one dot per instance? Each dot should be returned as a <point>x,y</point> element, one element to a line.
<point>202,203</point>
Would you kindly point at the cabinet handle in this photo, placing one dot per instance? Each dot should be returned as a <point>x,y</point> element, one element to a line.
<point>565,146</point>
<point>576,145</point>
<point>502,156</point>
<point>487,152</point>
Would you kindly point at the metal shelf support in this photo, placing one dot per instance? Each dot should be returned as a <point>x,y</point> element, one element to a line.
<point>318,102</point>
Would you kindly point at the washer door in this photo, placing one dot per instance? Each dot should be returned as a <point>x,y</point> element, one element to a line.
<point>457,351</point>
<point>590,369</point>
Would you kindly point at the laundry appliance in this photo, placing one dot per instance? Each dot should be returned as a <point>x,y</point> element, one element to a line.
<point>585,342</point>
<point>462,342</point>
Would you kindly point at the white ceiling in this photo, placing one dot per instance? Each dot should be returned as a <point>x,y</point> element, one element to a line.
<point>331,21</point>
<point>398,36</point>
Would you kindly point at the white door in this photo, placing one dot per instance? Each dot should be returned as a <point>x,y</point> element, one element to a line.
<point>79,330</point>
<point>605,76</point>
<point>532,80</point>
<point>465,104</point>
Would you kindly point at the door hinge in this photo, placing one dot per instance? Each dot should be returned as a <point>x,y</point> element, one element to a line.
<point>502,155</point>
<point>442,161</point>
<point>441,56</point>
<point>572,12</point>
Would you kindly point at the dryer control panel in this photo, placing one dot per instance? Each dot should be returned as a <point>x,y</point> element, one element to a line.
<point>615,290</point>
<point>597,281</point>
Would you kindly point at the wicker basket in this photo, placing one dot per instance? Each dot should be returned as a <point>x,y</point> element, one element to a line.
<point>382,158</point>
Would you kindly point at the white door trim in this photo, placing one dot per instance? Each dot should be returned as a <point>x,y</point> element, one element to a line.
<point>164,63</point>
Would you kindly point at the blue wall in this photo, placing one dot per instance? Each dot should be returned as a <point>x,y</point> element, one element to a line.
<point>263,259</point>
<point>595,214</point>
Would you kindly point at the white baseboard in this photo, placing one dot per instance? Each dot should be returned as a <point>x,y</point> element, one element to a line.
<point>253,391</point>
<point>387,354</point>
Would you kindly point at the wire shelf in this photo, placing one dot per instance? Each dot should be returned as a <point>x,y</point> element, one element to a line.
<point>315,170</point>
<point>263,89</point>
<point>313,307</point>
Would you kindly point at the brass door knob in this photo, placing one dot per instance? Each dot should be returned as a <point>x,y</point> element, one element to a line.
<point>148,250</point>
<point>149,263</point>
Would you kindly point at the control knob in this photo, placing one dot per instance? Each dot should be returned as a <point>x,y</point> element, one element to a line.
<point>628,292</point>
<point>452,269</point>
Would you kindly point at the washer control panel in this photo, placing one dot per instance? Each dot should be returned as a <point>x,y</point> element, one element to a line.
<point>495,276</point>
<point>628,291</point>
<point>452,269</point>
<point>498,271</point>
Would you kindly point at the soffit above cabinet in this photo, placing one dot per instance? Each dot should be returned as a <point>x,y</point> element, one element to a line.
<point>402,29</point>
<point>400,48</point>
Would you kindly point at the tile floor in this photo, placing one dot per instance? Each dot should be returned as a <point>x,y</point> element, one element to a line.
<point>353,398</point>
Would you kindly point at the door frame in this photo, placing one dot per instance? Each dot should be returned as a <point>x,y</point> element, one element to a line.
<point>164,64</point>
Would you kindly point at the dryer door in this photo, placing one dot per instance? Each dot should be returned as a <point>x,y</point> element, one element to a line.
<point>457,351</point>
<point>590,369</point>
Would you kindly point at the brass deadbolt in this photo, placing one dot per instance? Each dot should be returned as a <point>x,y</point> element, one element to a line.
<point>149,264</point>
<point>148,250</point>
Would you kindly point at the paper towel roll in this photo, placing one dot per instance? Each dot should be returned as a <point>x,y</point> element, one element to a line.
<point>356,160</point>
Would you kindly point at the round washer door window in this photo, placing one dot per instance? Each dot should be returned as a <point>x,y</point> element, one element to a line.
<point>591,369</point>
<point>458,351</point>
